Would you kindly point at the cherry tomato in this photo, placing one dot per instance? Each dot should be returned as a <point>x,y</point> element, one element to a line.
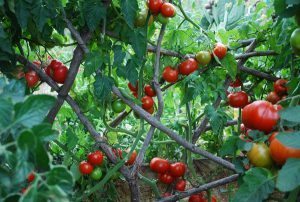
<point>163,20</point>
<point>166,178</point>
<point>55,64</point>
<point>177,169</point>
<point>238,99</point>
<point>188,66</point>
<point>155,5</point>
<point>180,185</point>
<point>31,177</point>
<point>95,158</point>
<point>273,97</point>
<point>60,74</point>
<point>32,78</point>
<point>151,110</point>
<point>220,50</point>
<point>135,94</point>
<point>236,83</point>
<point>24,190</point>
<point>96,174</point>
<point>280,153</point>
<point>259,155</point>
<point>203,57</point>
<point>85,168</point>
<point>149,91</point>
<point>260,115</point>
<point>280,87</point>
<point>197,198</point>
<point>272,136</point>
<point>132,87</point>
<point>170,75</point>
<point>147,102</point>
<point>48,71</point>
<point>159,165</point>
<point>168,10</point>
<point>213,199</point>
<point>118,106</point>
<point>132,158</point>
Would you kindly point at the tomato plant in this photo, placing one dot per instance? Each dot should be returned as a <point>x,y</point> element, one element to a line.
<point>147,102</point>
<point>295,40</point>
<point>96,174</point>
<point>133,88</point>
<point>149,91</point>
<point>203,57</point>
<point>155,5</point>
<point>273,97</point>
<point>177,169</point>
<point>132,158</point>
<point>280,86</point>
<point>162,19</point>
<point>31,177</point>
<point>238,99</point>
<point>165,178</point>
<point>236,83</point>
<point>118,106</point>
<point>95,158</point>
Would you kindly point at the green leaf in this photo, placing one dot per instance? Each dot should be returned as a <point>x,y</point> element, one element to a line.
<point>33,111</point>
<point>27,140</point>
<point>44,132</point>
<point>14,90</point>
<point>290,139</point>
<point>41,14</point>
<point>230,64</point>
<point>12,198</point>
<point>31,195</point>
<point>102,87</point>
<point>291,114</point>
<point>1,2</point>
<point>138,41</point>
<point>229,146</point>
<point>129,9</point>
<point>119,55</point>
<point>75,171</point>
<point>22,12</point>
<point>294,2</point>
<point>258,183</point>
<point>5,42</point>
<point>59,175</point>
<point>279,6</point>
<point>72,139</point>
<point>6,113</point>
<point>42,159</point>
<point>129,72</point>
<point>94,60</point>
<point>289,176</point>
<point>93,11</point>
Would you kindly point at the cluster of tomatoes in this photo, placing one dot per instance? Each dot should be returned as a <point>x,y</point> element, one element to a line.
<point>190,65</point>
<point>56,70</point>
<point>279,93</point>
<point>200,197</point>
<point>161,10</point>
<point>30,179</point>
<point>119,153</point>
<point>88,167</point>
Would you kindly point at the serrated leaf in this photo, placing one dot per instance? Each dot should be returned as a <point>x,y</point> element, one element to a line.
<point>93,11</point>
<point>229,146</point>
<point>14,90</point>
<point>258,183</point>
<point>129,9</point>
<point>138,41</point>
<point>289,175</point>
<point>94,61</point>
<point>102,87</point>
<point>22,12</point>
<point>290,139</point>
<point>72,139</point>
<point>129,72</point>
<point>6,113</point>
<point>119,55</point>
<point>291,114</point>
<point>230,64</point>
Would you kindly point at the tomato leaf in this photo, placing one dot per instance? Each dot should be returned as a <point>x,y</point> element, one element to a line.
<point>6,113</point>
<point>93,11</point>
<point>102,87</point>
<point>94,60</point>
<point>291,114</point>
<point>59,175</point>
<point>15,90</point>
<point>230,64</point>
<point>72,139</point>
<point>138,41</point>
<point>41,157</point>
<point>229,146</point>
<point>119,55</point>
<point>291,139</point>
<point>258,183</point>
<point>129,9</point>
<point>130,71</point>
<point>289,175</point>
<point>44,132</point>
<point>27,140</point>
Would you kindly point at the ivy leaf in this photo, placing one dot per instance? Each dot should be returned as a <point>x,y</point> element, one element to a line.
<point>289,175</point>
<point>290,139</point>
<point>102,87</point>
<point>291,114</point>
<point>230,64</point>
<point>258,183</point>
<point>129,9</point>
<point>93,11</point>
<point>94,60</point>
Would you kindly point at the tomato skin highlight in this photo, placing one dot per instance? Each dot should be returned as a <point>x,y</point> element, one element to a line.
<point>147,102</point>
<point>238,99</point>
<point>259,155</point>
<point>188,66</point>
<point>170,75</point>
<point>220,50</point>
<point>159,165</point>
<point>85,168</point>
<point>273,97</point>
<point>280,87</point>
<point>168,10</point>
<point>177,169</point>
<point>180,185</point>
<point>96,158</point>
<point>149,91</point>
<point>32,78</point>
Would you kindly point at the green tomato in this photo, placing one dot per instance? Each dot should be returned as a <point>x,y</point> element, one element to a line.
<point>163,20</point>
<point>118,106</point>
<point>96,174</point>
<point>295,40</point>
<point>297,17</point>
<point>141,18</point>
<point>259,155</point>
<point>203,57</point>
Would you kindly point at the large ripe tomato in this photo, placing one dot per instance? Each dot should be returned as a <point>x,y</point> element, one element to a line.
<point>132,158</point>
<point>259,155</point>
<point>32,78</point>
<point>180,185</point>
<point>147,102</point>
<point>170,75</point>
<point>220,50</point>
<point>159,165</point>
<point>96,174</point>
<point>177,169</point>
<point>155,5</point>
<point>95,158</point>
<point>166,178</point>
<point>60,74</point>
<point>85,168</point>
<point>132,87</point>
<point>280,87</point>
<point>188,66</point>
<point>197,198</point>
<point>149,90</point>
<point>168,10</point>
<point>260,115</point>
<point>295,40</point>
<point>236,83</point>
<point>238,99</point>
<point>203,57</point>
<point>118,106</point>
<point>273,97</point>
<point>280,153</point>
<point>31,177</point>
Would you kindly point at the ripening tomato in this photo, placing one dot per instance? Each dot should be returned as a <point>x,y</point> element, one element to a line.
<point>203,57</point>
<point>273,97</point>
<point>151,110</point>
<point>220,50</point>
<point>177,169</point>
<point>30,177</point>
<point>280,153</point>
<point>180,185</point>
<point>272,136</point>
<point>96,174</point>
<point>213,199</point>
<point>85,168</point>
<point>197,198</point>
<point>170,75</point>
<point>60,74</point>
<point>188,66</point>
<point>238,99</point>
<point>118,106</point>
<point>95,158</point>
<point>166,178</point>
<point>132,87</point>
<point>147,102</point>
<point>155,5</point>
<point>260,115</point>
<point>149,91</point>
<point>236,83</point>
<point>259,155</point>
<point>159,165</point>
<point>168,10</point>
<point>135,94</point>
<point>280,87</point>
<point>141,18</point>
<point>32,78</point>
<point>132,158</point>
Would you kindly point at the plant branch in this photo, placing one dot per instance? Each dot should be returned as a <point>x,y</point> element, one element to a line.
<point>257,73</point>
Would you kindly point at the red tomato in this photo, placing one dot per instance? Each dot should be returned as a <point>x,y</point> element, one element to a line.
<point>273,97</point>
<point>197,198</point>
<point>272,136</point>
<point>96,158</point>
<point>48,71</point>
<point>37,63</point>
<point>155,6</point>
<point>32,78</point>
<point>60,74</point>
<point>132,87</point>
<point>238,99</point>
<point>159,165</point>
<point>280,153</point>
<point>132,158</point>
<point>147,102</point>
<point>280,86</point>
<point>135,94</point>
<point>177,169</point>
<point>55,64</point>
<point>213,199</point>
<point>166,194</point>
<point>220,50</point>
<point>151,110</point>
<point>236,83</point>
<point>188,66</point>
<point>170,75</point>
<point>278,107</point>
<point>85,168</point>
<point>180,185</point>
<point>30,177</point>
<point>24,190</point>
<point>149,91</point>
<point>165,178</point>
<point>260,115</point>
<point>168,10</point>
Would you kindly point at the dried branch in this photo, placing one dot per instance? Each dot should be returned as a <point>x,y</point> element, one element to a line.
<point>258,73</point>
<point>255,54</point>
